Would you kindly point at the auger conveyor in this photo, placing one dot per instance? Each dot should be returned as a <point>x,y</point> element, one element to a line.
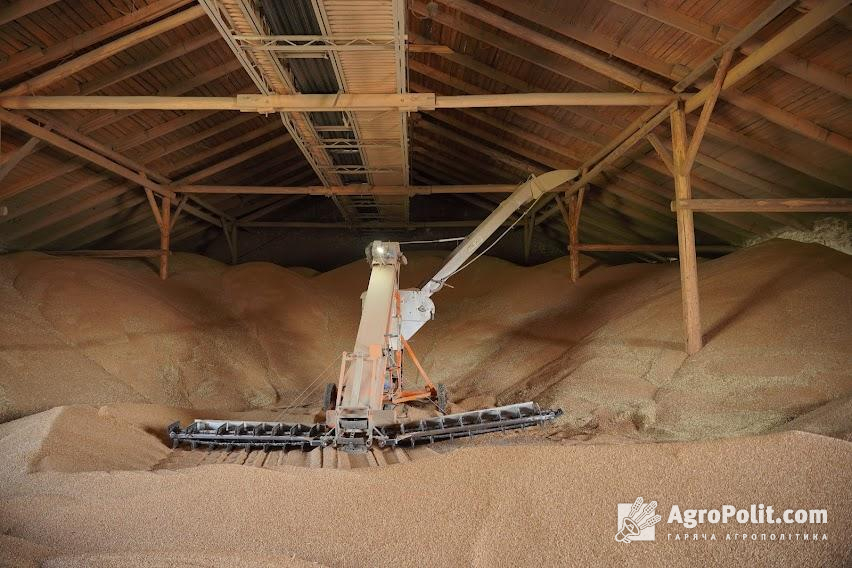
<point>272,435</point>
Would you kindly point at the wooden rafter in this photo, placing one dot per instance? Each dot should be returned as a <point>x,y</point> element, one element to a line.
<point>96,55</point>
<point>774,114</point>
<point>35,57</point>
<point>540,118</point>
<point>522,134</point>
<point>787,62</point>
<point>777,44</point>
<point>15,157</point>
<point>22,8</point>
<point>170,53</point>
<point>757,147</point>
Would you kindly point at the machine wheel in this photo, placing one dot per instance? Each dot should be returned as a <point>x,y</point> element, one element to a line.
<point>442,396</point>
<point>329,396</point>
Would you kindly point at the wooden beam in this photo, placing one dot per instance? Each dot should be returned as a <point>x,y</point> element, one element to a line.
<point>9,190</point>
<point>707,109</point>
<point>454,81</point>
<point>661,150</point>
<point>229,144</point>
<point>22,8</point>
<point>787,62</point>
<point>170,53</point>
<point>355,189</point>
<point>524,134</point>
<point>717,191</point>
<point>265,104</point>
<point>215,73</point>
<point>686,235</point>
<point>428,48</point>
<point>161,150</point>
<point>781,41</point>
<point>546,160</point>
<point>165,232</point>
<point>793,123</point>
<point>553,99</point>
<point>654,248</point>
<point>575,204</point>
<point>72,147</point>
<point>803,205</point>
<point>178,210</point>
<point>782,157</point>
<point>163,129</point>
<point>620,73</point>
<point>67,145</point>
<point>155,208</point>
<point>106,51</point>
<point>68,229</point>
<point>18,154</point>
<point>35,57</point>
<point>86,204</point>
<point>92,180</point>
<point>775,9</point>
<point>472,142</point>
<point>266,210</point>
<point>234,160</point>
<point>369,225</point>
<point>145,253</point>
<point>644,60</point>
<point>794,161</point>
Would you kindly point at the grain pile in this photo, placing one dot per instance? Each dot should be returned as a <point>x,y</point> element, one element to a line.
<point>514,505</point>
<point>78,485</point>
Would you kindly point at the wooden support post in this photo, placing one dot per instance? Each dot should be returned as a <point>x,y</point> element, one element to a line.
<point>575,204</point>
<point>683,157</point>
<point>686,234</point>
<point>165,233</point>
<point>529,227</point>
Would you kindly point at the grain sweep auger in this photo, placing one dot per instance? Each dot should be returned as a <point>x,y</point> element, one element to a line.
<point>363,409</point>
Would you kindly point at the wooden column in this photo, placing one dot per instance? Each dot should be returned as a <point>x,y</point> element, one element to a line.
<point>571,216</point>
<point>686,234</point>
<point>575,205</point>
<point>165,233</point>
<point>683,156</point>
<point>162,216</point>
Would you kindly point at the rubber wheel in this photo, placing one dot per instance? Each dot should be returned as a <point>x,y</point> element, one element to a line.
<point>442,396</point>
<point>329,396</point>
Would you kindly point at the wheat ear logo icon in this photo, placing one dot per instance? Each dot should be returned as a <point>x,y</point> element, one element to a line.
<point>639,518</point>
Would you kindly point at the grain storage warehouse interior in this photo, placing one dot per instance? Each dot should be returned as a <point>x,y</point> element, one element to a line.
<point>605,315</point>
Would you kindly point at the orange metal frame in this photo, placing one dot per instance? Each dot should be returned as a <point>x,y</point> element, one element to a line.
<point>427,391</point>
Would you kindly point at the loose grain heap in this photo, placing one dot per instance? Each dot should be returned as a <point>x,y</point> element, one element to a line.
<point>96,357</point>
